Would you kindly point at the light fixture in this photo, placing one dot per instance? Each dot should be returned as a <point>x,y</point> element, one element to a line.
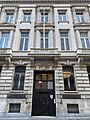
<point>39,82</point>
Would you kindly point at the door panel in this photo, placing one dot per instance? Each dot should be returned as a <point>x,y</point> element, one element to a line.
<point>43,94</point>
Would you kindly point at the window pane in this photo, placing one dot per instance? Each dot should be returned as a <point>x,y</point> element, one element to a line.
<point>64,34</point>
<point>21,44</point>
<point>14,108</point>
<point>4,40</point>
<point>83,43</point>
<point>24,34</point>
<point>24,41</point>
<point>67,44</point>
<point>18,82</point>
<point>88,43</point>
<point>15,82</point>
<point>62,44</point>
<point>26,44</point>
<point>1,42</point>
<point>6,43</point>
<point>72,108</point>
<point>22,82</point>
<point>42,46</point>
<point>46,43</point>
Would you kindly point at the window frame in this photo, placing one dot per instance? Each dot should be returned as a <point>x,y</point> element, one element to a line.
<point>19,81</point>
<point>64,41</point>
<point>27,17</point>
<point>4,39</point>
<point>80,16</point>
<point>63,14</point>
<point>44,40</point>
<point>88,72</point>
<point>9,16</point>
<point>74,109</point>
<point>45,16</point>
<point>23,41</point>
<point>69,83</point>
<point>85,39</point>
<point>13,104</point>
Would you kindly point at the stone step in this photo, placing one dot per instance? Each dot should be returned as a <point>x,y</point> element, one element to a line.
<point>12,116</point>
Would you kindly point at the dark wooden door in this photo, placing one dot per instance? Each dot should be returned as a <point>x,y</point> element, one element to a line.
<point>43,94</point>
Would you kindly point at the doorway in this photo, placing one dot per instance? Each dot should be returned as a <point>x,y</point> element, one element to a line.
<point>44,94</point>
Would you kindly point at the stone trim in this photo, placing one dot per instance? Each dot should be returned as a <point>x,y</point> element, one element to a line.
<point>46,1</point>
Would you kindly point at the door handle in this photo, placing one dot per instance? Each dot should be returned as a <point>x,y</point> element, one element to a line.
<point>54,101</point>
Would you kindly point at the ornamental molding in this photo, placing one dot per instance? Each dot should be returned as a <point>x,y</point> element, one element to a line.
<point>46,1</point>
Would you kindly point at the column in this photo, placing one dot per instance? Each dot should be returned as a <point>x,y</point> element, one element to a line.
<point>74,14</point>
<point>38,15</point>
<point>10,41</point>
<point>15,14</point>
<point>79,45</point>
<point>50,16</point>
<point>0,12</point>
<point>3,15</point>
<point>37,39</point>
<point>51,39</point>
<point>86,14</point>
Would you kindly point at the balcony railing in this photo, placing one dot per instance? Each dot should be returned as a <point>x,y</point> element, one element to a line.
<point>44,52</point>
<point>5,54</point>
<point>5,51</point>
<point>83,52</point>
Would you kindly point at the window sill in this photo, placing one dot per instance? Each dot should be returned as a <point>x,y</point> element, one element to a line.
<point>25,22</point>
<point>17,91</point>
<point>71,91</point>
<point>63,22</point>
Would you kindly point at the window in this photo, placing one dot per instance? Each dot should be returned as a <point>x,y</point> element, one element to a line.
<point>44,16</point>
<point>69,80</point>
<point>88,70</point>
<point>80,16</point>
<point>19,76</point>
<point>14,107</point>
<point>72,108</point>
<point>27,16</point>
<point>84,40</point>
<point>62,16</point>
<point>24,41</point>
<point>4,40</point>
<point>64,41</point>
<point>9,17</point>
<point>44,80</point>
<point>44,40</point>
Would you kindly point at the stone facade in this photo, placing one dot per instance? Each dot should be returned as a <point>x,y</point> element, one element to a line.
<point>74,21</point>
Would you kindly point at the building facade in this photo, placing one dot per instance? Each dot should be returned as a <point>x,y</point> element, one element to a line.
<point>45,58</point>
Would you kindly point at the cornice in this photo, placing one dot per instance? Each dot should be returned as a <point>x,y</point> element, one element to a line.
<point>46,1</point>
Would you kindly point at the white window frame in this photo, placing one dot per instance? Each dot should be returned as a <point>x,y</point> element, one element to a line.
<point>24,39</point>
<point>44,37</point>
<point>9,17</point>
<point>80,16</point>
<point>44,16</point>
<point>62,16</point>
<point>4,39</point>
<point>27,16</point>
<point>64,39</point>
<point>85,38</point>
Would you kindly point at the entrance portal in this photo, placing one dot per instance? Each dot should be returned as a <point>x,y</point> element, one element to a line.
<point>44,94</point>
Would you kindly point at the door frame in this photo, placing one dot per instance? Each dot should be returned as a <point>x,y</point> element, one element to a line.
<point>43,91</point>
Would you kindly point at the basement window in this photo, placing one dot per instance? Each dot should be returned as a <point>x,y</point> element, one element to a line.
<point>14,108</point>
<point>72,108</point>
